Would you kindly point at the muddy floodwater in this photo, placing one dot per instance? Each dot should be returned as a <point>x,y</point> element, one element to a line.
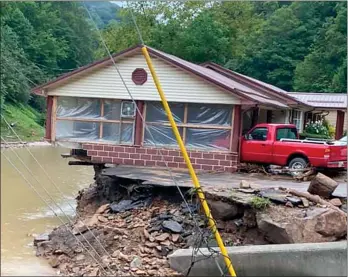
<point>24,214</point>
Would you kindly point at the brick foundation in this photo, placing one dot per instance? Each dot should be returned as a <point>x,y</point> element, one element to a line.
<point>147,156</point>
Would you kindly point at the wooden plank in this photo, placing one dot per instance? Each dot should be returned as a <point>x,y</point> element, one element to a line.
<point>94,120</point>
<point>144,125</point>
<point>81,163</point>
<point>101,115</point>
<point>232,126</point>
<point>202,126</point>
<point>185,122</point>
<point>54,118</point>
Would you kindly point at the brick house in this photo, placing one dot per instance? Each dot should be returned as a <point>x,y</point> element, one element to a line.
<point>90,109</point>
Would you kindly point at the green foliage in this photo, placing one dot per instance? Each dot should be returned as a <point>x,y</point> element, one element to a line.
<point>26,121</point>
<point>39,41</point>
<point>103,13</point>
<point>317,128</point>
<point>305,135</point>
<point>324,69</point>
<point>294,45</point>
<point>260,203</point>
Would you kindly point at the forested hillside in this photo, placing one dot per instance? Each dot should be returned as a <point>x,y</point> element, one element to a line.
<point>298,46</point>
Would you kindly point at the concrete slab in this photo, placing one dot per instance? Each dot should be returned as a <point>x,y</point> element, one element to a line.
<point>219,180</point>
<point>308,259</point>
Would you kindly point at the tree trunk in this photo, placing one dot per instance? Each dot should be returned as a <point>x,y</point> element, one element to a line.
<point>315,199</point>
<point>322,185</point>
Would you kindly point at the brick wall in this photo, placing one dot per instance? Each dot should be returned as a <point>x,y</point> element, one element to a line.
<point>146,156</point>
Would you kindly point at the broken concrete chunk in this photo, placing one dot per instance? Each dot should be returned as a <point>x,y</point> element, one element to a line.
<point>322,185</point>
<point>244,185</point>
<point>273,195</point>
<point>294,200</point>
<point>247,190</point>
<point>305,202</point>
<point>125,205</point>
<point>172,226</point>
<point>41,238</point>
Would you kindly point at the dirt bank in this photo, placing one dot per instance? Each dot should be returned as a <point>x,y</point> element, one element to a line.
<point>140,225</point>
<point>23,144</point>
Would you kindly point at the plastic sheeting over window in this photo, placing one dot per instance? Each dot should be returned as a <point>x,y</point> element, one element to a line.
<point>77,130</point>
<point>112,110</point>
<point>156,113</point>
<point>209,114</point>
<point>208,138</point>
<point>78,107</point>
<point>203,125</point>
<point>82,119</point>
<point>162,136</point>
<point>111,133</point>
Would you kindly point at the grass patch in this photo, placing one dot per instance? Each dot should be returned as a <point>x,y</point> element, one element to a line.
<point>26,121</point>
<point>260,203</point>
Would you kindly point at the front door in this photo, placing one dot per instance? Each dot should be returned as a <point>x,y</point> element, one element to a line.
<point>257,147</point>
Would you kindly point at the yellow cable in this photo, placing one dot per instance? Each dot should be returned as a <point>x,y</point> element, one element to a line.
<point>188,163</point>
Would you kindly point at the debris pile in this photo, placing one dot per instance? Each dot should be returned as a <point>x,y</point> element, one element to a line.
<point>139,232</point>
<point>315,217</point>
<point>140,225</point>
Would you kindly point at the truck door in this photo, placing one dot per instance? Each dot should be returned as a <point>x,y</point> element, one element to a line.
<point>257,147</point>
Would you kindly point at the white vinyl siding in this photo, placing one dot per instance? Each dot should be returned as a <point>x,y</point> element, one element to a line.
<point>178,85</point>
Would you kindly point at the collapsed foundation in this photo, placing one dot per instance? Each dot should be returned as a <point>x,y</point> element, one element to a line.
<point>140,225</point>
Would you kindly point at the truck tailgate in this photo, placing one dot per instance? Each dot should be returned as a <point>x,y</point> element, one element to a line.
<point>338,153</point>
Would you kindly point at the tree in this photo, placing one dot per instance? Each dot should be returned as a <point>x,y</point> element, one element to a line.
<point>324,69</point>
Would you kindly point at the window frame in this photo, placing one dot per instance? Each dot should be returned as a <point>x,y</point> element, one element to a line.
<point>267,131</point>
<point>100,120</point>
<point>186,125</point>
<point>282,128</point>
<point>296,120</point>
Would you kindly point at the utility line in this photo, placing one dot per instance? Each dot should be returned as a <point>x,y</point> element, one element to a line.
<point>143,120</point>
<point>49,195</point>
<point>52,209</point>
<point>57,188</point>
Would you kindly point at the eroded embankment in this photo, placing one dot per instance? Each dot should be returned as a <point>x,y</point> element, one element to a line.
<point>140,225</point>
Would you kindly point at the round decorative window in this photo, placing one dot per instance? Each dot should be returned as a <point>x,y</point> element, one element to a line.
<point>139,76</point>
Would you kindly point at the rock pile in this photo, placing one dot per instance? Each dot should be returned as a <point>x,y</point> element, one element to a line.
<point>138,237</point>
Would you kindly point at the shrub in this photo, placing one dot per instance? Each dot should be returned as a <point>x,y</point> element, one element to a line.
<point>260,203</point>
<point>317,128</point>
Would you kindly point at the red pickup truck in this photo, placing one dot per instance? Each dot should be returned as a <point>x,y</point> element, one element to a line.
<point>279,144</point>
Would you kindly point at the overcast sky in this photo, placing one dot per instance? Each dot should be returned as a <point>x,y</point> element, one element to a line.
<point>120,3</point>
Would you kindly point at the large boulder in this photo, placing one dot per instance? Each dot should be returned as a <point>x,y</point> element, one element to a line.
<point>284,225</point>
<point>224,210</point>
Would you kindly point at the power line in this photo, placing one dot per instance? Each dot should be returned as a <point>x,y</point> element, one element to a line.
<point>49,206</point>
<point>144,122</point>
<point>56,187</point>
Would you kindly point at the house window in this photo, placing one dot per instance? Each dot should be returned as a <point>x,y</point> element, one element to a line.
<point>200,125</point>
<point>313,117</point>
<point>296,119</point>
<point>84,119</point>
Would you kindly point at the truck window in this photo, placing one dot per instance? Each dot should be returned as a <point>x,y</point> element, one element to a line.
<point>286,133</point>
<point>258,134</point>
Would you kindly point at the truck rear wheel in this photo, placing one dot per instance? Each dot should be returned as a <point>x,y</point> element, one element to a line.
<point>297,163</point>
